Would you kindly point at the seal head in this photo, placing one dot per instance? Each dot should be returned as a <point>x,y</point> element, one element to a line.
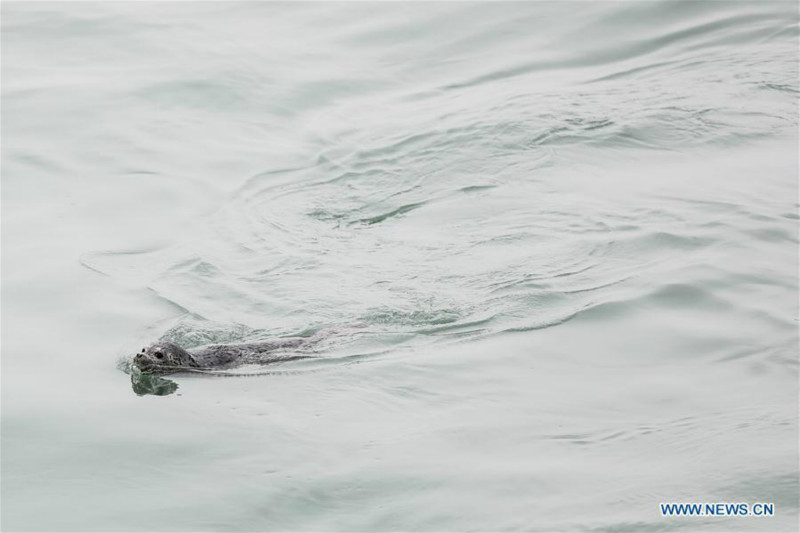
<point>164,358</point>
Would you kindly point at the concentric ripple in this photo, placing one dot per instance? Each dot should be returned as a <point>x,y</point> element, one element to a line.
<point>513,199</point>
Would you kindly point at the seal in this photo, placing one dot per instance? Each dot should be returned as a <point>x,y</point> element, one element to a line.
<point>168,358</point>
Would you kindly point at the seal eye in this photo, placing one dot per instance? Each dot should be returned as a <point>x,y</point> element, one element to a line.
<point>142,350</point>
<point>159,355</point>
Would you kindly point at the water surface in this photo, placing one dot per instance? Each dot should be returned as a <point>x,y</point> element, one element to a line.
<point>569,231</point>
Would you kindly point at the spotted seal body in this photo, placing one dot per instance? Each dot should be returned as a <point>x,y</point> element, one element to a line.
<point>167,358</point>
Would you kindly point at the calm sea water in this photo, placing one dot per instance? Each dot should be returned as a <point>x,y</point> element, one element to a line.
<point>568,230</point>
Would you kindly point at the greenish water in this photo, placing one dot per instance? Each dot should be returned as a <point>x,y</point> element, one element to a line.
<point>568,230</point>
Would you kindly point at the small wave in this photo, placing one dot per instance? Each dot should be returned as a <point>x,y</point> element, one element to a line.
<point>377,219</point>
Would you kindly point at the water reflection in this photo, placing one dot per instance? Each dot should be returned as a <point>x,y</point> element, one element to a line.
<point>143,384</point>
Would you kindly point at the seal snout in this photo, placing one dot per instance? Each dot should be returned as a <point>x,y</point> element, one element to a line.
<point>140,360</point>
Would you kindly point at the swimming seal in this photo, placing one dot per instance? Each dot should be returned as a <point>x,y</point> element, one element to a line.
<point>167,358</point>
